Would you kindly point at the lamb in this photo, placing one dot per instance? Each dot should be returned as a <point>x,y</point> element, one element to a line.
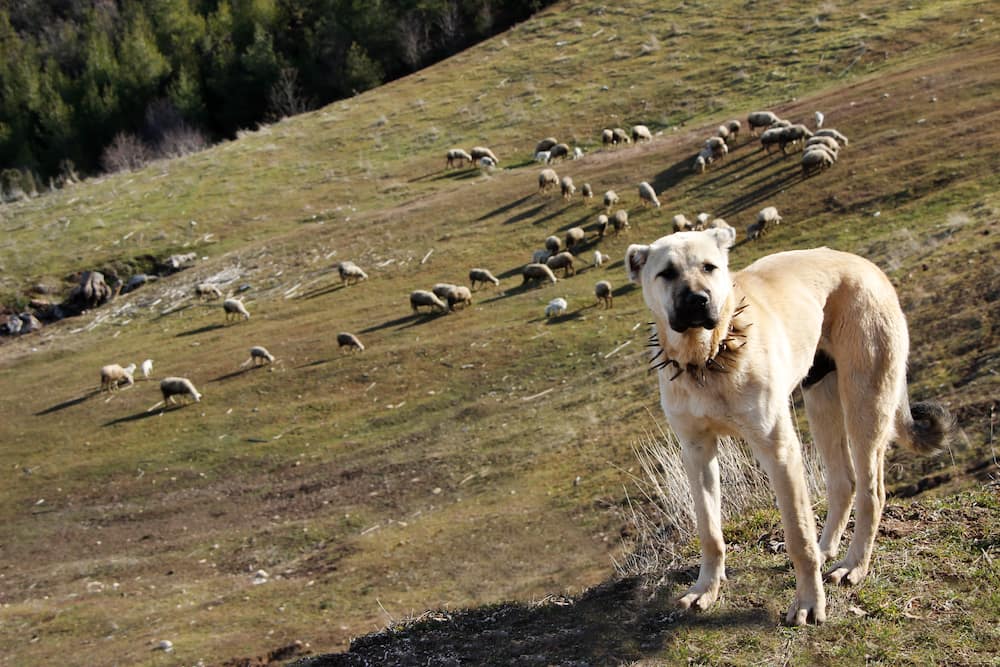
<point>113,375</point>
<point>562,260</point>
<point>457,157</point>
<point>717,146</point>
<point>602,225</point>
<point>460,294</point>
<point>603,292</point>
<point>567,187</point>
<point>350,272</point>
<point>207,291</point>
<point>766,218</point>
<point>424,298</point>
<point>830,132</point>
<point>599,258</point>
<point>172,387</point>
<point>577,152</point>
<point>556,307</point>
<point>586,191</point>
<point>734,128</point>
<point>543,157</point>
<point>620,136</point>
<point>147,368</point>
<point>682,224</point>
<point>481,276</point>
<point>553,244</point>
<point>755,230</point>
<point>817,158</point>
<point>641,132</point>
<point>350,341</point>
<point>607,137</point>
<point>235,309</point>
<point>760,119</point>
<point>620,220</point>
<point>819,119</point>
<point>547,179</point>
<point>610,199</point>
<point>701,220</point>
<point>647,195</point>
<point>260,356</point>
<point>535,271</point>
<point>545,144</point>
<point>480,152</point>
<point>575,235</point>
<point>559,151</point>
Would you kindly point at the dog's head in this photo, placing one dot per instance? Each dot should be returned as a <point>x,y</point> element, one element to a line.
<point>684,276</point>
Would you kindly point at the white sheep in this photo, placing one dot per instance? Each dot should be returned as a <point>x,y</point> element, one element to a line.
<point>547,179</point>
<point>535,271</point>
<point>567,187</point>
<point>545,144</point>
<point>700,163</point>
<point>819,119</point>
<point>586,191</point>
<point>829,142</point>
<point>602,225</point>
<point>482,276</point>
<point>460,294</point>
<point>207,291</point>
<point>350,341</point>
<point>647,195</point>
<point>734,128</point>
<point>147,368</point>
<point>830,132</point>
<point>701,220</point>
<point>610,199</point>
<point>641,133</point>
<point>620,136</point>
<point>771,137</point>
<point>421,297</point>
<point>172,387</point>
<point>620,220</point>
<point>350,272</point>
<point>543,157</point>
<point>577,152</point>
<point>722,132</point>
<point>556,307</point>
<point>717,146</point>
<point>682,224</point>
<point>457,157</point>
<point>553,244</point>
<point>559,151</point>
<point>442,290</point>
<point>479,152</point>
<point>607,137</point>
<point>760,120</point>
<point>817,158</point>
<point>487,162</point>
<point>562,260</point>
<point>603,292</point>
<point>575,235</point>
<point>793,134</point>
<point>113,375</point>
<point>260,356</point>
<point>599,258</point>
<point>235,309</point>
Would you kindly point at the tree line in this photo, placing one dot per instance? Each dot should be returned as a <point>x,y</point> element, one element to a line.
<point>105,85</point>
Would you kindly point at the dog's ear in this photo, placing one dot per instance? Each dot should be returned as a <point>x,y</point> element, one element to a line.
<point>724,237</point>
<point>635,259</point>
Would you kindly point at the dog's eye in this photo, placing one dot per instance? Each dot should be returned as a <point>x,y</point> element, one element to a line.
<point>669,273</point>
<point>708,268</point>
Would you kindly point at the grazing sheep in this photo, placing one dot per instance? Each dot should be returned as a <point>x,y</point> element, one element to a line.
<point>547,179</point>
<point>620,220</point>
<point>829,142</point>
<point>147,368</point>
<point>647,195</point>
<point>235,309</point>
<point>682,224</point>
<point>559,151</point>
<point>487,162</point>
<point>641,133</point>
<point>536,271</point>
<point>755,230</point>
<point>780,123</point>
<point>113,375</point>
<point>480,152</point>
<point>610,199</point>
<point>816,158</point>
<point>260,356</point>
<point>719,223</point>
<point>700,163</point>
<point>577,152</point>
<point>717,146</point>
<point>350,341</point>
<point>424,298</point>
<point>442,290</point>
<point>567,187</point>
<point>562,260</point>
<point>771,137</point>
<point>599,258</point>
<point>586,191</point>
<point>553,244</point>
<point>350,272</point>
<point>457,157</point>
<point>460,294</point>
<point>482,276</point>
<point>607,137</point>
<point>722,132</point>
<point>701,220</point>
<point>793,134</point>
<point>760,120</point>
<point>734,128</point>
<point>543,157</point>
<point>207,291</point>
<point>620,136</point>
<point>545,144</point>
<point>830,132</point>
<point>819,119</point>
<point>769,215</point>
<point>174,386</point>
<point>540,256</point>
<point>603,292</point>
<point>575,235</point>
<point>602,225</point>
<point>556,307</point>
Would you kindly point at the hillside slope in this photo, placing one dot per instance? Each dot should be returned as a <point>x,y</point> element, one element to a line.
<point>485,455</point>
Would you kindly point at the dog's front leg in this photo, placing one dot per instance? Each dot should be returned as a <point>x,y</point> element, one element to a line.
<point>698,452</point>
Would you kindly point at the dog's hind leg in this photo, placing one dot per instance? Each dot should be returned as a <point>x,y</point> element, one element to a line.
<point>826,422</point>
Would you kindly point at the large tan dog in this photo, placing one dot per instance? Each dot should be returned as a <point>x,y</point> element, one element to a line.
<point>733,347</point>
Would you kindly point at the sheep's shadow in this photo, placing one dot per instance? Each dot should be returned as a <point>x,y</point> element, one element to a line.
<point>320,291</point>
<point>771,184</point>
<point>503,209</point>
<point>524,215</point>
<point>423,318</point>
<point>140,416</point>
<point>523,288</point>
<point>242,371</point>
<point>68,404</point>
<point>201,330</point>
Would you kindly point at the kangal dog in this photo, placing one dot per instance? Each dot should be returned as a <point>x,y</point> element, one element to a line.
<point>733,347</point>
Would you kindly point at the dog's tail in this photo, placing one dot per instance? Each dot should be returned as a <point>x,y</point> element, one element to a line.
<point>924,427</point>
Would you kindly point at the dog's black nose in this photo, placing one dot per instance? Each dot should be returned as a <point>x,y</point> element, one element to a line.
<point>696,299</point>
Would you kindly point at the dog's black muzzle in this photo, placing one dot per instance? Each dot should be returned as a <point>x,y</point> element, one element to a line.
<point>692,309</point>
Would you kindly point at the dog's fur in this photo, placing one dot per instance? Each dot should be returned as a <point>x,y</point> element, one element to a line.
<point>733,347</point>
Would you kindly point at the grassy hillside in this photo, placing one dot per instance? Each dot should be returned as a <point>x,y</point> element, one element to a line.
<point>482,456</point>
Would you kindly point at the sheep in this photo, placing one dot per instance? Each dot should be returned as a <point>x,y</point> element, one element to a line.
<point>553,244</point>
<point>607,137</point>
<point>760,119</point>
<point>682,224</point>
<point>539,256</point>
<point>575,235</point>
<point>562,260</point>
<point>577,152</point>
<point>457,157</point>
<point>172,387</point>
<point>559,151</point>
<point>817,158</point>
<point>766,218</point>
<point>487,162</point>
<point>543,157</point>
<point>235,309</point>
<point>819,119</point>
<point>350,272</point>
<point>620,220</point>
<point>793,134</point>
<point>556,307</point>
<point>719,223</point>
<point>771,137</point>
<point>829,142</point>
<point>717,146</point>
<point>620,136</point>
<point>830,132</point>
<point>610,199</point>
<point>586,191</point>
<point>424,298</point>
<point>147,368</point>
<point>113,375</point>
<point>460,294</point>
<point>567,187</point>
<point>350,341</point>
<point>734,128</point>
<point>442,290</point>
<point>700,221</point>
<point>603,292</point>
<point>207,291</point>
<point>480,152</point>
<point>547,179</point>
<point>755,230</point>
<point>781,122</point>
<point>260,356</point>
<point>647,195</point>
<point>602,225</point>
<point>481,276</point>
<point>599,258</point>
<point>641,132</point>
<point>723,133</point>
<point>536,271</point>
<point>545,144</point>
<point>700,163</point>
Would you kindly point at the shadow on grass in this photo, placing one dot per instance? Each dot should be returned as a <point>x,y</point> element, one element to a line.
<point>617,622</point>
<point>139,416</point>
<point>405,322</point>
<point>524,215</point>
<point>320,291</point>
<point>201,330</point>
<point>68,404</point>
<point>503,209</point>
<point>229,376</point>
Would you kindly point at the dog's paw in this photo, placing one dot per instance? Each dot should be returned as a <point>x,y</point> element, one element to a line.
<point>700,596</point>
<point>806,612</point>
<point>846,574</point>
